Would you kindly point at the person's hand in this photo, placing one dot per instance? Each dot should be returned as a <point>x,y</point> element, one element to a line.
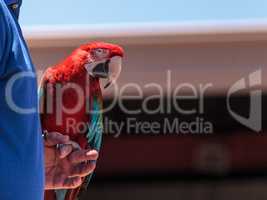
<point>65,163</point>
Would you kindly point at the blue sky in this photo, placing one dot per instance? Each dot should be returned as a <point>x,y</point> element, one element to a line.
<point>53,12</point>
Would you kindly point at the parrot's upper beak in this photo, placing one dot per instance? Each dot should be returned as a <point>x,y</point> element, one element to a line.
<point>115,67</point>
<point>109,69</point>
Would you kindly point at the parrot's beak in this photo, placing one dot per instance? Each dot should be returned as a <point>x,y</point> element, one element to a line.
<point>109,70</point>
<point>101,70</point>
<point>115,67</point>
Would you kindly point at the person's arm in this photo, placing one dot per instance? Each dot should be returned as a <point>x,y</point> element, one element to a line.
<point>4,29</point>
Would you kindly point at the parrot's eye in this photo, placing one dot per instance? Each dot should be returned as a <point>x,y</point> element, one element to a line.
<point>101,53</point>
<point>99,50</point>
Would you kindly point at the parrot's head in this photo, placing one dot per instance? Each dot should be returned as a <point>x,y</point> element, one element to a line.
<point>104,61</point>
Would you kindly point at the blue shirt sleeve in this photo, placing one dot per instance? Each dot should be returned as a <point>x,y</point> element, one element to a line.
<point>4,46</point>
<point>2,35</point>
<point>21,144</point>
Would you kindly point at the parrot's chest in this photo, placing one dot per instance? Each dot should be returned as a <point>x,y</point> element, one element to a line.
<point>68,109</point>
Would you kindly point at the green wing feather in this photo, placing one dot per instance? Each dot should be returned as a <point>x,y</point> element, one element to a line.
<point>95,129</point>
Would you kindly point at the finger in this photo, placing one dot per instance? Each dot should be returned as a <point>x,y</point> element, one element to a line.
<point>72,183</point>
<point>75,145</point>
<point>65,150</point>
<point>83,169</point>
<point>51,156</point>
<point>83,156</point>
<point>61,181</point>
<point>54,138</point>
<point>65,183</point>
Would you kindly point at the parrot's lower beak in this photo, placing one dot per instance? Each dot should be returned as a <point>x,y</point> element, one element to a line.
<point>101,70</point>
<point>109,70</point>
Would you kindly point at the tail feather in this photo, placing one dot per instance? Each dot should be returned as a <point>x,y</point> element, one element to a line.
<point>62,195</point>
<point>73,194</point>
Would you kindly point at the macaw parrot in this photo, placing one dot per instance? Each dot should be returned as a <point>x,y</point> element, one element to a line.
<point>71,99</point>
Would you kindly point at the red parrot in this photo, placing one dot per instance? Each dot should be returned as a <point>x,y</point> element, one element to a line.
<point>71,99</point>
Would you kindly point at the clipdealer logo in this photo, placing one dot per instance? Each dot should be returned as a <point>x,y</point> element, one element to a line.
<point>254,82</point>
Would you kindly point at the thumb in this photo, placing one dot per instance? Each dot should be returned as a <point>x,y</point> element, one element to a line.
<point>54,138</point>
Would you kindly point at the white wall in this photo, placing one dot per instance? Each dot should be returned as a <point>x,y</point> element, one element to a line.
<point>221,64</point>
